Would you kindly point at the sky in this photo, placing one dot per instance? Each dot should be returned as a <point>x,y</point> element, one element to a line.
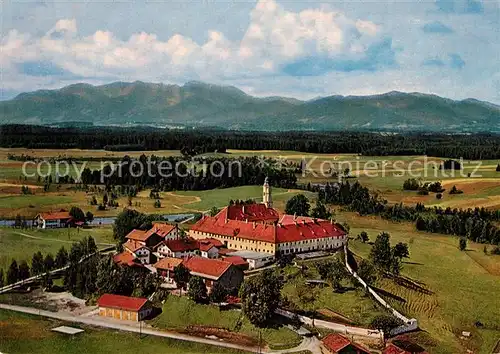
<point>301,49</point>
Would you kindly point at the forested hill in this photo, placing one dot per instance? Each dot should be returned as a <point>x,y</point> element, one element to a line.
<point>198,104</point>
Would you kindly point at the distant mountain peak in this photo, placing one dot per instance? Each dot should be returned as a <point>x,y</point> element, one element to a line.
<point>197,103</point>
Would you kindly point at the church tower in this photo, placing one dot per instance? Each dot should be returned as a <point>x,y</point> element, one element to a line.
<point>266,194</point>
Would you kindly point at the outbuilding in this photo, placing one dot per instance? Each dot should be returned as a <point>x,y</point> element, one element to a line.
<point>124,307</point>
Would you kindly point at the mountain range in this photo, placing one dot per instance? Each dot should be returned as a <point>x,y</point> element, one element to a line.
<point>197,104</point>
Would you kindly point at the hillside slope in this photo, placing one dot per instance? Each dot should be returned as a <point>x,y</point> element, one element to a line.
<point>201,104</point>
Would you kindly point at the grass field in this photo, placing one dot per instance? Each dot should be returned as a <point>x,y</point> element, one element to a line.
<point>21,244</point>
<point>358,308</point>
<point>384,175</point>
<point>463,284</point>
<point>15,338</point>
<point>180,312</point>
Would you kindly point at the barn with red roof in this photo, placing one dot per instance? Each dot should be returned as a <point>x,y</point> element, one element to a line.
<point>124,307</point>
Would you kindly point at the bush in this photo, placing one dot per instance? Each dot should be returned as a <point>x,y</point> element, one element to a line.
<point>454,190</point>
<point>439,196</point>
<point>411,184</point>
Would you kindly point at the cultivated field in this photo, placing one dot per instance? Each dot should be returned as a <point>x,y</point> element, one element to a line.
<point>385,175</point>
<point>180,313</point>
<point>462,284</point>
<point>15,338</point>
<point>21,244</point>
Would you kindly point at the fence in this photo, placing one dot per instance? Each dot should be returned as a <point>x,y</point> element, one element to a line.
<point>409,324</point>
<point>337,327</point>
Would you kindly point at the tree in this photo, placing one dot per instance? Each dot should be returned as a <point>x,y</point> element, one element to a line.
<point>401,251</point>
<point>411,184</point>
<point>455,190</point>
<point>383,256</point>
<point>320,211</point>
<point>498,167</point>
<point>89,216</point>
<point>61,257</point>
<point>307,296</point>
<point>336,274</point>
<point>13,273</point>
<point>37,266</point>
<point>197,289</point>
<point>462,244</point>
<point>181,276</point>
<point>77,214</point>
<point>157,203</point>
<point>219,293</point>
<point>385,323</point>
<point>213,211</point>
<point>48,263</point>
<point>260,296</point>
<point>298,205</point>
<point>367,272</point>
<point>363,236</point>
<point>2,280</point>
<point>18,221</point>
<point>24,270</point>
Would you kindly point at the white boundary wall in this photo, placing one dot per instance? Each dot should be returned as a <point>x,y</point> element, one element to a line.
<point>337,327</point>
<point>409,324</point>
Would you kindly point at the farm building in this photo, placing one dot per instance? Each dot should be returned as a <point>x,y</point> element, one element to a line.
<point>124,307</point>
<point>52,220</point>
<point>260,228</point>
<point>335,343</point>
<point>254,259</point>
<point>215,271</point>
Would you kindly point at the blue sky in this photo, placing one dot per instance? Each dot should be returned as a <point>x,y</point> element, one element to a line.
<point>302,49</point>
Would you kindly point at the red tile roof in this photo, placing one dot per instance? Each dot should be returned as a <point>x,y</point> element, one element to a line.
<point>121,302</point>
<point>287,229</point>
<point>56,215</point>
<point>161,229</point>
<point>205,267</point>
<point>126,258</point>
<point>211,240</point>
<point>251,212</point>
<point>205,247</point>
<point>236,260</point>
<point>133,246</point>
<point>335,342</point>
<point>167,263</point>
<point>394,349</point>
<point>179,245</point>
<point>138,235</point>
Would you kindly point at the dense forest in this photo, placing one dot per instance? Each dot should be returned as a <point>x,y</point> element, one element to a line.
<point>475,224</point>
<point>173,173</point>
<point>197,141</point>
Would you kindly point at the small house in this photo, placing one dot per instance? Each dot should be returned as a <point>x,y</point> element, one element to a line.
<point>124,307</point>
<point>52,220</point>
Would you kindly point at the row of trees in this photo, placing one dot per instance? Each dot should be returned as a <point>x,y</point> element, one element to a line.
<point>473,147</point>
<point>300,205</point>
<point>475,224</point>
<point>174,173</point>
<point>18,271</point>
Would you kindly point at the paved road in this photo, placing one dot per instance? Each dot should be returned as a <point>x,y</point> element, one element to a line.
<point>307,344</point>
<point>122,327</point>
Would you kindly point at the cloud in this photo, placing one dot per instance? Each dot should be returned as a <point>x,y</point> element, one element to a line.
<point>274,38</point>
<point>437,27</point>
<point>433,62</point>
<point>456,61</point>
<point>460,6</point>
<point>378,56</point>
<point>40,68</point>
